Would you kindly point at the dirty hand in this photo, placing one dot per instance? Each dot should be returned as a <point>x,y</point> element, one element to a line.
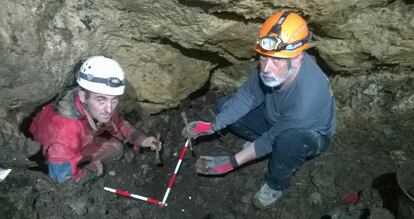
<point>215,165</point>
<point>197,128</point>
<point>151,142</point>
<point>95,167</point>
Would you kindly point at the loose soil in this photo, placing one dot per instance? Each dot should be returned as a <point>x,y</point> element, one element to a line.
<point>355,163</point>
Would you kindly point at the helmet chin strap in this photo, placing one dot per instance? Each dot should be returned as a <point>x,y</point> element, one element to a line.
<point>89,117</point>
<point>290,69</point>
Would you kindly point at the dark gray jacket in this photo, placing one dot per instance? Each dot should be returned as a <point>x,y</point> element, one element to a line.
<point>306,103</point>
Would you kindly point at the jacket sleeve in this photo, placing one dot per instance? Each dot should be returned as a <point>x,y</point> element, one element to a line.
<point>247,97</point>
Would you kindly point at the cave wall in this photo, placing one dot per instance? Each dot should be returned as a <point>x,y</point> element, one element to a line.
<point>169,49</point>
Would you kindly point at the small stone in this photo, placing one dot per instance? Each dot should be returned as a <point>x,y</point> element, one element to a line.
<point>134,213</point>
<point>372,90</point>
<point>167,150</point>
<point>398,156</point>
<point>246,198</point>
<point>112,173</point>
<point>145,168</point>
<point>149,179</point>
<point>316,198</point>
<point>387,131</point>
<point>380,213</point>
<point>77,205</point>
<point>165,118</point>
<point>20,117</point>
<point>129,156</point>
<point>3,112</point>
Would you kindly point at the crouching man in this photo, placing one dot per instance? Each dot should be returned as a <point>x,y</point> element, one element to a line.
<point>285,109</point>
<point>83,129</point>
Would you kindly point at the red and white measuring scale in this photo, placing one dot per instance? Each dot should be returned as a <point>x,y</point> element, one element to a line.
<point>127,194</point>
<point>170,184</point>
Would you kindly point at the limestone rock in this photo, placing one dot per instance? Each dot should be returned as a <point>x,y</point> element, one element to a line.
<point>161,75</point>
<point>43,43</point>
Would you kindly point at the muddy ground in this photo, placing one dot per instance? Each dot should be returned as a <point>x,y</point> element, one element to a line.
<point>362,160</point>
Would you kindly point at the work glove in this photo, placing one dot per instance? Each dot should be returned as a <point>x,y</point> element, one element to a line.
<point>219,165</point>
<point>149,142</point>
<point>197,128</point>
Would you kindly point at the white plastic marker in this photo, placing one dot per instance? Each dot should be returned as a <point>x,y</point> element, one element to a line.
<point>172,179</point>
<point>127,194</point>
<point>4,173</point>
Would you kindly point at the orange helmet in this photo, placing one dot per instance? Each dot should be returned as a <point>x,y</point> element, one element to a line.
<point>283,35</point>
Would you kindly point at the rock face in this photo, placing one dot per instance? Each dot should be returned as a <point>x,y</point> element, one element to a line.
<point>170,48</point>
<point>161,77</point>
<point>369,38</point>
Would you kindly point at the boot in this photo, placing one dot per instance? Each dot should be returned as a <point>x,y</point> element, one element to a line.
<point>266,197</point>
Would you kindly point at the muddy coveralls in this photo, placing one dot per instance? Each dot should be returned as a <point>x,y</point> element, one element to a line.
<point>69,136</point>
<point>293,124</point>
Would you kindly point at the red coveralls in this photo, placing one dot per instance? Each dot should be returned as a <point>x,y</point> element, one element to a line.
<point>66,141</point>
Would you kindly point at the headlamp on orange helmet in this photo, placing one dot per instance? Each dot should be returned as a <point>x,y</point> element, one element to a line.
<point>283,35</point>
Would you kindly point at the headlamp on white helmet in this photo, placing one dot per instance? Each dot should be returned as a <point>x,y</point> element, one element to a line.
<point>102,75</point>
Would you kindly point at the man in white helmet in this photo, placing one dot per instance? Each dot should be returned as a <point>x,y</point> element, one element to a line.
<point>84,127</point>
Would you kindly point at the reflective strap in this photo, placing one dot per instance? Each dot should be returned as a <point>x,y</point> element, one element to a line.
<point>276,27</point>
<point>111,82</point>
<point>299,43</point>
<point>284,46</point>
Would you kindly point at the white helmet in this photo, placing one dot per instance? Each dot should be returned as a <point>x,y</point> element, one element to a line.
<point>102,75</point>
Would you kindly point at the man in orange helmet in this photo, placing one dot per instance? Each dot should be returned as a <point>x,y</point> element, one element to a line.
<point>285,109</point>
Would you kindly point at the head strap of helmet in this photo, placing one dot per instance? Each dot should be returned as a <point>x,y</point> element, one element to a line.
<point>277,28</point>
<point>110,82</point>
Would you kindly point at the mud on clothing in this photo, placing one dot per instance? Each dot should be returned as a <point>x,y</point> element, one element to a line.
<point>282,122</point>
<point>65,132</point>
